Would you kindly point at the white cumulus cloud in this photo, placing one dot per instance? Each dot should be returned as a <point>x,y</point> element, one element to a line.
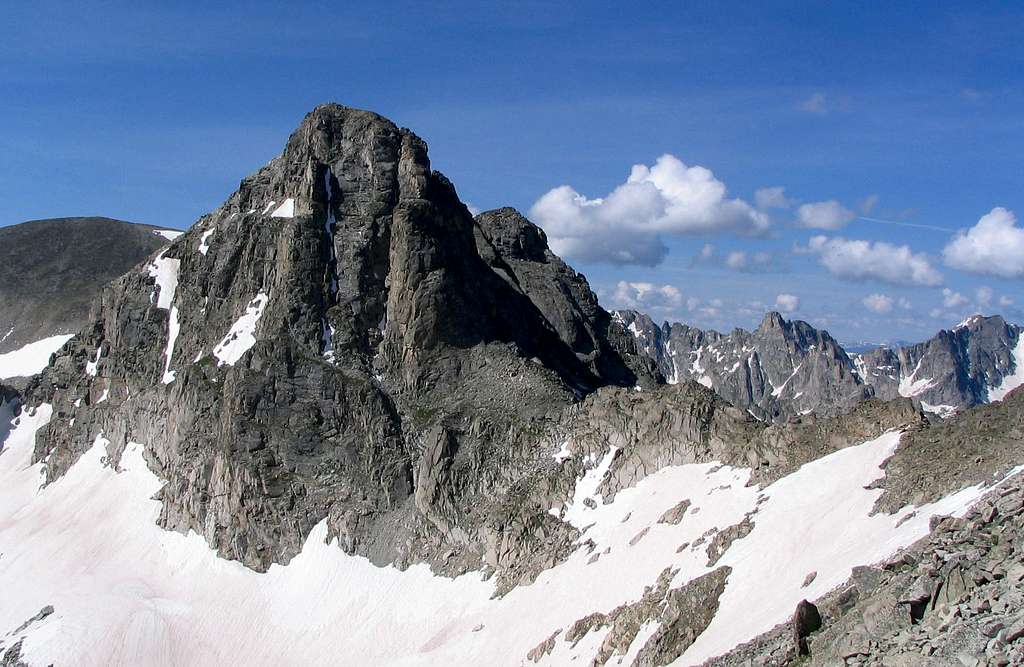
<point>646,296</point>
<point>824,215</point>
<point>994,246</point>
<point>866,260</point>
<point>626,226</point>
<point>746,261</point>
<point>984,296</point>
<point>883,303</point>
<point>774,197</point>
<point>878,303</point>
<point>951,299</point>
<point>787,303</point>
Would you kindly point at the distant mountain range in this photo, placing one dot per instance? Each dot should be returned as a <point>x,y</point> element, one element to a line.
<point>785,368</point>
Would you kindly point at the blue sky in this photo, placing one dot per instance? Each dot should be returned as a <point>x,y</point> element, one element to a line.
<point>906,113</point>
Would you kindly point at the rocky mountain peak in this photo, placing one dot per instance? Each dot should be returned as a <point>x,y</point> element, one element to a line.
<point>772,320</point>
<point>339,340</point>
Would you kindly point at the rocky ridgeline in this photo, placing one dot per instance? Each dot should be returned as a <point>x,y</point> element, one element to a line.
<point>788,368</point>
<point>954,598</point>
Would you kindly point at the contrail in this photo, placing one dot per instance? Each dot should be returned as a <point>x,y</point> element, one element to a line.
<point>907,224</point>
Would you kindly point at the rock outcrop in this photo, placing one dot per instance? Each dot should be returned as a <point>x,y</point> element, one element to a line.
<point>954,598</point>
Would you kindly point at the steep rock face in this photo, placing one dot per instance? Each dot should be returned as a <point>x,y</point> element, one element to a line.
<point>51,270</point>
<point>518,250</point>
<point>959,368</point>
<point>780,370</point>
<point>328,344</point>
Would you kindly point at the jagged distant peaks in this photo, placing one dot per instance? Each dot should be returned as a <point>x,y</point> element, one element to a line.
<point>978,361</point>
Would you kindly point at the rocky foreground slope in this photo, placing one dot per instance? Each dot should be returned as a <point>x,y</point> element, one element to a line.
<point>786,368</point>
<point>340,419</point>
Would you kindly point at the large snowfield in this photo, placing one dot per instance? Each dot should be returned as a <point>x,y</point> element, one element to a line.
<point>126,592</point>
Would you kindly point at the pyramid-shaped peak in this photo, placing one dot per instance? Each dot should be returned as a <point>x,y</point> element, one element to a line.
<point>773,320</point>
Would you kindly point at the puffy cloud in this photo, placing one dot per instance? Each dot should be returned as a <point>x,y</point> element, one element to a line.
<point>868,204</point>
<point>646,296</point>
<point>816,104</point>
<point>994,246</point>
<point>737,260</point>
<point>787,303</point>
<point>951,299</point>
<point>878,303</point>
<point>866,260</point>
<point>824,215</point>
<point>1005,301</point>
<point>984,296</point>
<point>883,303</point>
<point>625,227</point>
<point>775,197</point>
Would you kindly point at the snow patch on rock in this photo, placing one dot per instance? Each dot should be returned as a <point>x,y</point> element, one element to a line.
<point>204,241</point>
<point>910,386</point>
<point>285,210</point>
<point>1013,380</point>
<point>241,337</point>
<point>169,234</point>
<point>165,272</point>
<point>32,358</point>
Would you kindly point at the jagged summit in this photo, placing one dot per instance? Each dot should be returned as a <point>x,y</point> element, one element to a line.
<point>340,340</point>
<point>782,369</point>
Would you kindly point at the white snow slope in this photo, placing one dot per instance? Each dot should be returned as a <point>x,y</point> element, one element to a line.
<point>126,592</point>
<point>31,358</point>
<point>1015,379</point>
